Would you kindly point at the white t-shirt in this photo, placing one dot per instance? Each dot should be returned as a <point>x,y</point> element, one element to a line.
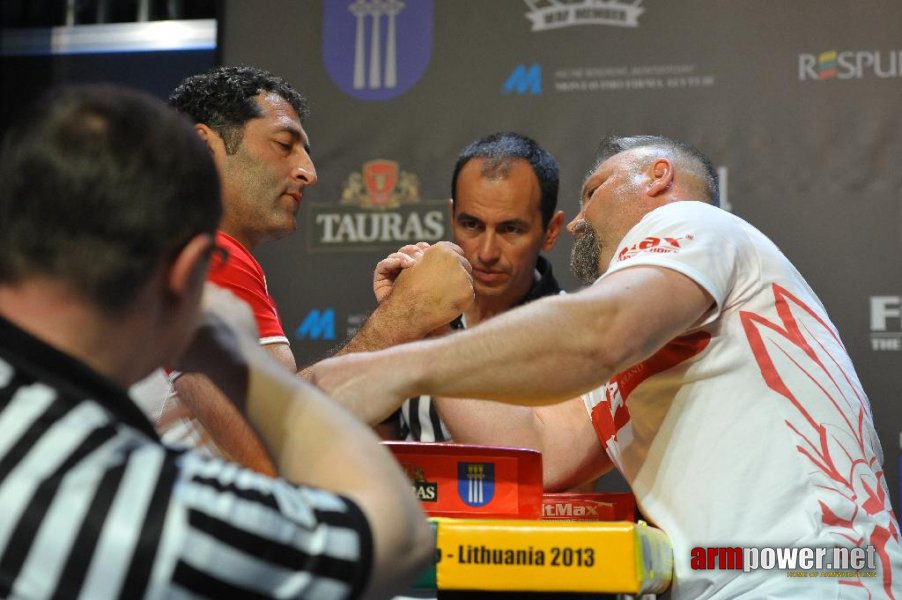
<point>752,429</point>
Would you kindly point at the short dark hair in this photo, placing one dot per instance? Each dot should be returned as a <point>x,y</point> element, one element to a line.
<point>499,150</point>
<point>223,99</point>
<point>98,186</point>
<point>688,156</point>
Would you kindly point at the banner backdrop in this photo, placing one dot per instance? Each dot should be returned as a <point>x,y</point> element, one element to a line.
<point>797,103</point>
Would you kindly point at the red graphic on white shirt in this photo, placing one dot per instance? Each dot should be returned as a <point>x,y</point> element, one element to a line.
<point>611,414</point>
<point>654,244</point>
<point>796,362</point>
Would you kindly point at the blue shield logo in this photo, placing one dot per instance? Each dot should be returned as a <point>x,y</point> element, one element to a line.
<point>376,50</point>
<point>476,483</point>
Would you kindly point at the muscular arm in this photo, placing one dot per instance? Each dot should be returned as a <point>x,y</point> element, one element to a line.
<point>222,421</point>
<point>308,434</point>
<point>571,452</point>
<point>429,293</point>
<point>422,298</point>
<point>548,351</point>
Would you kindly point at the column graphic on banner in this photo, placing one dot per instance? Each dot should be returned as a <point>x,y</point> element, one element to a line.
<point>377,49</point>
<point>360,9</point>
<point>392,8</point>
<point>375,9</point>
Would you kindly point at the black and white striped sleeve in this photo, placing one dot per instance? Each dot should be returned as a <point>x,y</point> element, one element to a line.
<point>230,532</point>
<point>93,508</point>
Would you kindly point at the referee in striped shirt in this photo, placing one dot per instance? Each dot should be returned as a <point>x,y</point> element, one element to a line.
<point>108,206</point>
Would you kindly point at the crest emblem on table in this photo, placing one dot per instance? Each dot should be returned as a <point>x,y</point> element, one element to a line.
<point>476,483</point>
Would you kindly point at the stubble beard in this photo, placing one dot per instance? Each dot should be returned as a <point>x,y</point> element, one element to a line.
<point>586,254</point>
<point>260,189</point>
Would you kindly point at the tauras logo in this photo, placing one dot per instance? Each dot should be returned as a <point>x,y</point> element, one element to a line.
<point>380,206</point>
<point>850,64</point>
<point>425,491</point>
<point>555,14</point>
<point>886,323</point>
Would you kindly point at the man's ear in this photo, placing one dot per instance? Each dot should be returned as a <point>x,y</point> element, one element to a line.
<point>661,174</point>
<point>213,140</point>
<point>553,231</point>
<point>189,269</point>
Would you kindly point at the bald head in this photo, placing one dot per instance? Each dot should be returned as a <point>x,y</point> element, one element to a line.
<point>697,176</point>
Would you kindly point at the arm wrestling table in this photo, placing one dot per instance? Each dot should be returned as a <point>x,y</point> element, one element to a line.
<point>499,536</point>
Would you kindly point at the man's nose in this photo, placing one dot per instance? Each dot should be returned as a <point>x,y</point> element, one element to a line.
<point>572,225</point>
<point>488,248</point>
<point>305,171</point>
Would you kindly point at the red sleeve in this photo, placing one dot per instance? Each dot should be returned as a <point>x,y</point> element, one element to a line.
<point>243,276</point>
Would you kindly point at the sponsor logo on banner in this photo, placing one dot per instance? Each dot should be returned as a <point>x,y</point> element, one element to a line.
<point>476,483</point>
<point>886,323</point>
<point>380,208</point>
<point>425,491</point>
<point>524,80</point>
<point>850,64</point>
<point>317,325</point>
<point>631,78</point>
<point>376,50</point>
<point>556,14</point>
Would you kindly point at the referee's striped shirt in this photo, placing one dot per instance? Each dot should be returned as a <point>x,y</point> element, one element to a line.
<point>92,505</point>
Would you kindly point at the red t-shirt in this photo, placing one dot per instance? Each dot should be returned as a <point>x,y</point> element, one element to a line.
<point>243,276</point>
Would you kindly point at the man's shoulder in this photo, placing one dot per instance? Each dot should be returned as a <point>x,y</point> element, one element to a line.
<point>238,253</point>
<point>686,220</point>
<point>695,211</point>
<point>240,270</point>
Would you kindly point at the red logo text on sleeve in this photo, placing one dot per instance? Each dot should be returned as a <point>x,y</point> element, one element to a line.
<point>656,245</point>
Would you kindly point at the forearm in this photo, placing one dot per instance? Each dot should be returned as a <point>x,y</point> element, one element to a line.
<point>294,420</point>
<point>432,288</point>
<point>554,348</point>
<point>387,326</point>
<point>390,324</point>
<point>506,361</point>
<point>223,421</point>
<point>563,433</point>
<point>485,422</point>
<point>316,442</point>
<point>543,353</point>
